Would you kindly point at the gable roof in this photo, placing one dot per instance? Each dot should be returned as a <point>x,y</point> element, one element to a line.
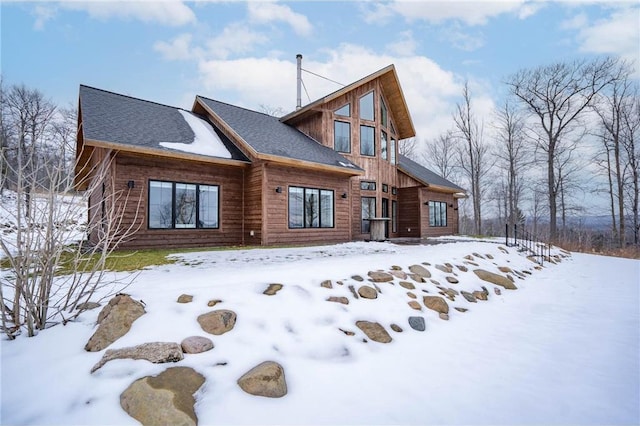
<point>269,138</point>
<point>127,123</point>
<point>424,175</point>
<point>392,90</point>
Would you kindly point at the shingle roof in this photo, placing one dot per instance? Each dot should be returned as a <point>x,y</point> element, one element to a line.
<point>119,119</point>
<point>268,135</point>
<point>421,173</point>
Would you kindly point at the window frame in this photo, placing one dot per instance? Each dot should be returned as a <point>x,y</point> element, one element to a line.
<point>373,106</point>
<point>366,229</point>
<point>347,106</point>
<point>335,134</point>
<point>437,214</point>
<point>196,208</point>
<point>306,224</point>
<point>367,183</point>
<point>373,133</point>
<point>384,145</point>
<point>394,216</point>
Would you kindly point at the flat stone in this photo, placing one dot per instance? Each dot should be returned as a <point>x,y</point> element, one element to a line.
<point>185,298</point>
<point>462,268</point>
<point>497,279</point>
<point>353,291</point>
<point>337,299</point>
<point>398,274</point>
<point>367,292</point>
<point>505,269</point>
<point>444,268</point>
<point>480,295</point>
<point>436,303</point>
<point>87,306</point>
<point>470,297</point>
<point>396,328</point>
<point>166,399</point>
<point>217,322</point>
<point>396,268</point>
<point>357,278</point>
<point>463,310</point>
<point>417,278</point>
<point>213,302</point>
<point>444,316</point>
<point>374,331</point>
<point>196,344</point>
<point>326,284</point>
<point>477,255</point>
<point>380,276</point>
<point>155,352</point>
<point>452,280</point>
<point>272,289</point>
<point>415,305</point>
<point>347,332</point>
<point>420,270</point>
<point>417,323</point>
<point>114,321</point>
<point>497,291</point>
<point>266,379</point>
<point>407,285</point>
<point>489,256</point>
<point>411,295</point>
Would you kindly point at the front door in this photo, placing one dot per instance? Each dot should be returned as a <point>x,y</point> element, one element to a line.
<point>385,213</point>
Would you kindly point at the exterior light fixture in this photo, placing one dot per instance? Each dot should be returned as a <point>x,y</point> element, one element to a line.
<point>344,195</point>
<point>278,189</point>
<point>131,184</point>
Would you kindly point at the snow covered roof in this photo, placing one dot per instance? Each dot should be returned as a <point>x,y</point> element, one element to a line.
<point>112,118</point>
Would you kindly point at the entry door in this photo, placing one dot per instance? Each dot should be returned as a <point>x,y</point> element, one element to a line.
<point>385,213</point>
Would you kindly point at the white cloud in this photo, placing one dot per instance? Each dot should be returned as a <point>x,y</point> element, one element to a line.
<point>577,22</point>
<point>265,12</point>
<point>438,11</point>
<point>462,39</point>
<point>171,13</point>
<point>405,46</point>
<point>177,49</point>
<point>43,14</point>
<point>236,38</point>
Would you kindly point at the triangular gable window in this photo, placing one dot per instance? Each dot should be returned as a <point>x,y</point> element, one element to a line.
<point>344,111</point>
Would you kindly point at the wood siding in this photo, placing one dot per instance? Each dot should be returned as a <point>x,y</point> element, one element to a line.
<point>143,169</point>
<point>452,214</point>
<point>276,219</point>
<point>409,206</point>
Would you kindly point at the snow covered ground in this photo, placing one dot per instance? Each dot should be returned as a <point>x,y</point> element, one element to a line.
<point>562,349</point>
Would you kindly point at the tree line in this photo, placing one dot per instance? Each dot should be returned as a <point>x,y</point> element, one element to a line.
<point>563,130</point>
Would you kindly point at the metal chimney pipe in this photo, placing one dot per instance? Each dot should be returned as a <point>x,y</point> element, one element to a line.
<point>299,82</point>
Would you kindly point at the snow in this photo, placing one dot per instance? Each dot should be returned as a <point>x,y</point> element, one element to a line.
<point>206,141</point>
<point>562,349</point>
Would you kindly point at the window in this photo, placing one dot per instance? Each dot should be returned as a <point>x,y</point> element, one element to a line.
<point>310,208</point>
<point>368,211</point>
<point>383,144</point>
<point>394,216</point>
<point>393,151</point>
<point>394,190</point>
<point>393,129</point>
<point>437,213</point>
<point>385,187</point>
<point>367,186</point>
<point>366,107</point>
<point>383,113</point>
<point>367,141</point>
<point>342,136</point>
<point>183,205</point>
<point>344,111</point>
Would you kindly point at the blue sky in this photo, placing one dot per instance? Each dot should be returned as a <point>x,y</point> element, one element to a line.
<point>244,52</point>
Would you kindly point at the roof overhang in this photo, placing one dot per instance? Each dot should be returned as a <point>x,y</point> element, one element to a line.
<point>437,188</point>
<point>393,93</point>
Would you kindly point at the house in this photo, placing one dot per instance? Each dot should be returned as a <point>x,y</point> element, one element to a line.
<point>220,174</point>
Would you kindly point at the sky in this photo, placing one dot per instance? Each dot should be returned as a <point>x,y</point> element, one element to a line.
<point>244,53</point>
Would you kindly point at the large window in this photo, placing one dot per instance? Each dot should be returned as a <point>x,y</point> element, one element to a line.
<point>342,136</point>
<point>366,107</point>
<point>437,213</point>
<point>310,208</point>
<point>368,211</point>
<point>183,205</point>
<point>392,150</point>
<point>383,145</point>
<point>367,141</point>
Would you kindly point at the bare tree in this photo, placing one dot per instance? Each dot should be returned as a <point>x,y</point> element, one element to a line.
<point>272,111</point>
<point>408,147</point>
<point>557,95</point>
<point>472,154</point>
<point>630,132</point>
<point>439,155</point>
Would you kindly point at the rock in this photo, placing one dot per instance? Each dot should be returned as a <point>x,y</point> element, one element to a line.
<point>374,331</point>
<point>272,289</point>
<point>265,379</point>
<point>477,255</point>
<point>407,285</point>
<point>471,263</point>
<point>213,302</point>
<point>444,316</point>
<point>217,322</point>
<point>367,292</point>
<point>426,263</point>
<point>444,268</point>
<point>87,306</point>
<point>505,269</point>
<point>336,299</point>
<point>480,295</point>
<point>463,310</point>
<point>417,278</point>
<point>166,399</point>
<point>347,332</point>
<point>196,344</point>
<point>415,305</point>
<point>352,289</point>
<point>357,278</point>
<point>339,282</point>
<point>420,270</point>
<point>470,297</point>
<point>380,276</point>
<point>326,284</point>
<point>185,298</point>
<point>396,328</point>
<point>114,321</point>
<point>462,268</point>
<point>489,256</point>
<point>411,295</point>
<point>155,352</point>
<point>452,280</point>
<point>398,274</point>
<point>434,282</point>
<point>377,288</point>
<point>502,249</point>
<point>497,291</point>
<point>468,257</point>
<point>396,268</point>
<point>451,294</point>
<point>497,279</point>
<point>436,303</point>
<point>417,323</point>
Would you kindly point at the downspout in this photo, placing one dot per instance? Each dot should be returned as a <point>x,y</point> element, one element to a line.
<point>299,82</point>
